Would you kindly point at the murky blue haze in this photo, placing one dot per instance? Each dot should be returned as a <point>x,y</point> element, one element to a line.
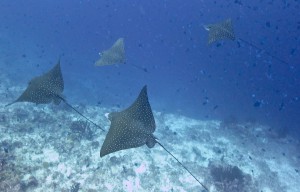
<point>185,75</point>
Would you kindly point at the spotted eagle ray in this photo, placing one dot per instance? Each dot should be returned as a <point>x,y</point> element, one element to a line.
<point>133,128</point>
<point>115,55</point>
<point>220,31</point>
<point>224,30</point>
<point>47,88</point>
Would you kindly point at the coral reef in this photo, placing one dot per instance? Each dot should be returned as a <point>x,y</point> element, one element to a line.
<point>75,187</point>
<point>29,184</point>
<point>230,178</point>
<point>9,174</point>
<point>51,150</point>
<point>81,130</point>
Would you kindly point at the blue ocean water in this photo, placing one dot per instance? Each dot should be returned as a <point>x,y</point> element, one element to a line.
<point>226,81</point>
<point>185,75</point>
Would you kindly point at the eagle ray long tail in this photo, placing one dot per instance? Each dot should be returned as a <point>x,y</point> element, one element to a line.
<point>79,113</point>
<point>140,68</point>
<point>9,104</point>
<point>183,166</point>
<point>260,49</point>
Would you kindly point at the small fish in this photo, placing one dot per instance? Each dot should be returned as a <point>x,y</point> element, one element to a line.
<point>257,103</point>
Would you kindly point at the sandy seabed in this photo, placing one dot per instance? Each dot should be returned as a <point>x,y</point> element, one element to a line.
<point>51,148</point>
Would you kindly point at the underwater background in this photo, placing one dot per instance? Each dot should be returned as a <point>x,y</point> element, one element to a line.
<point>228,81</point>
<point>167,38</point>
<point>185,75</point>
